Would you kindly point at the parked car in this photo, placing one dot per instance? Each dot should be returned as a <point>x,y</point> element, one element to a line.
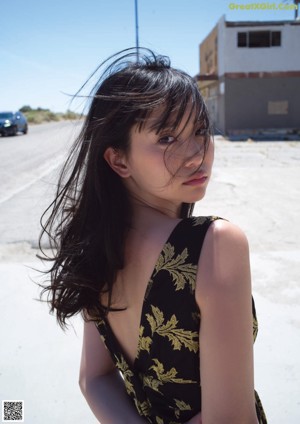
<point>11,123</point>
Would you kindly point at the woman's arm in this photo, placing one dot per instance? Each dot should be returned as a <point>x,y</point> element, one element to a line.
<point>101,383</point>
<point>223,294</point>
<point>195,420</point>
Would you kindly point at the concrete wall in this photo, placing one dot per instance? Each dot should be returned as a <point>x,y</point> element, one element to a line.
<point>247,103</point>
<point>217,114</point>
<point>267,59</point>
<point>208,54</point>
<point>222,49</point>
<point>214,99</point>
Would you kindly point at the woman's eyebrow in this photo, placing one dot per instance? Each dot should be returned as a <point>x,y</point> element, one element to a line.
<point>158,128</point>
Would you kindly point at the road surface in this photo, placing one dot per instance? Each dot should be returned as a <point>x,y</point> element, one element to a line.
<point>255,185</point>
<point>29,168</point>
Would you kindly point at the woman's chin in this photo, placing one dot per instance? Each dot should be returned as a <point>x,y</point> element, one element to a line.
<point>196,197</point>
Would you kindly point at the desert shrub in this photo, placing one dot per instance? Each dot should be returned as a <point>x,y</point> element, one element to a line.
<point>39,115</point>
<point>70,115</point>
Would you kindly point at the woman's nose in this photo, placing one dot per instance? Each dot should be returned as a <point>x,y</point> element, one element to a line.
<point>195,154</point>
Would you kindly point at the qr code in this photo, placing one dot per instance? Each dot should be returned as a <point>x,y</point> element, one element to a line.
<point>13,411</point>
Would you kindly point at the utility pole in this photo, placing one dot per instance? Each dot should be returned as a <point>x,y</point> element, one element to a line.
<point>136,29</point>
<point>296,2</point>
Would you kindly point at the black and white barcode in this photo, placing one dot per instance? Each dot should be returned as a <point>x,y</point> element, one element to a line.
<point>13,411</point>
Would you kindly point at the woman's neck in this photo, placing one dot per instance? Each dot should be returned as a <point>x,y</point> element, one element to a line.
<point>146,217</point>
<point>144,209</point>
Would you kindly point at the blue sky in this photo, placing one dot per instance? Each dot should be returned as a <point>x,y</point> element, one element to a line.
<point>48,48</point>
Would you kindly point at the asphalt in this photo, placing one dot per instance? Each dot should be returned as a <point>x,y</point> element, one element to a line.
<point>256,185</point>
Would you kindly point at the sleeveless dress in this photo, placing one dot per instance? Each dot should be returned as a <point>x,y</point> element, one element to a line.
<point>164,380</point>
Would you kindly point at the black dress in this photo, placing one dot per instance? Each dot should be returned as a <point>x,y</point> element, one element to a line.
<point>164,381</point>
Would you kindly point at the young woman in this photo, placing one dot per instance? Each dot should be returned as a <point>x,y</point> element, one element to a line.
<point>166,297</point>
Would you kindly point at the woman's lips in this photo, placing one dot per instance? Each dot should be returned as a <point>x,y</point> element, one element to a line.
<point>196,180</point>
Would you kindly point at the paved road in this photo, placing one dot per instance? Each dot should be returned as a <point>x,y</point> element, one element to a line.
<point>255,185</point>
<point>29,165</point>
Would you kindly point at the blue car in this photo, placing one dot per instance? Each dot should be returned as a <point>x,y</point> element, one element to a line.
<point>11,123</point>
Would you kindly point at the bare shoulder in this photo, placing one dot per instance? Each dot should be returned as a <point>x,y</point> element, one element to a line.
<point>226,234</point>
<point>224,260</point>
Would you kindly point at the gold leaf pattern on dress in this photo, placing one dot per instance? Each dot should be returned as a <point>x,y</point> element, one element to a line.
<point>144,342</point>
<point>143,407</point>
<point>127,374</point>
<point>102,338</point>
<point>156,320</point>
<point>153,383</point>
<point>168,376</point>
<point>99,322</point>
<point>196,316</point>
<point>177,336</point>
<point>181,406</point>
<point>200,220</point>
<point>180,271</point>
<point>159,420</point>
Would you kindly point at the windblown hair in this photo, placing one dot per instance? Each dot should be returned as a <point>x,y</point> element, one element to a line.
<point>87,223</point>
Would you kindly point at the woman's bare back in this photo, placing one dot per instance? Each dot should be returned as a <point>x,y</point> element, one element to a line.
<point>142,249</point>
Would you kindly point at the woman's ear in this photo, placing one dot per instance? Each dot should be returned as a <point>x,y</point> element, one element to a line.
<point>117,161</point>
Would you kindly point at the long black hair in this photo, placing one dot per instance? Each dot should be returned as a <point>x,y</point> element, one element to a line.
<point>88,221</point>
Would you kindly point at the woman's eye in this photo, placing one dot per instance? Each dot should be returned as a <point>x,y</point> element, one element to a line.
<point>166,139</point>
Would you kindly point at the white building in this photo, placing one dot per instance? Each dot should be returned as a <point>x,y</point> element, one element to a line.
<point>250,77</point>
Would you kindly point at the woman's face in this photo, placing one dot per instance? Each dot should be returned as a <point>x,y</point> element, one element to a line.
<point>169,168</point>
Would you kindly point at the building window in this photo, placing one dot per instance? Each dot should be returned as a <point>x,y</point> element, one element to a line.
<point>276,38</point>
<point>278,108</point>
<point>242,39</point>
<point>259,39</point>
